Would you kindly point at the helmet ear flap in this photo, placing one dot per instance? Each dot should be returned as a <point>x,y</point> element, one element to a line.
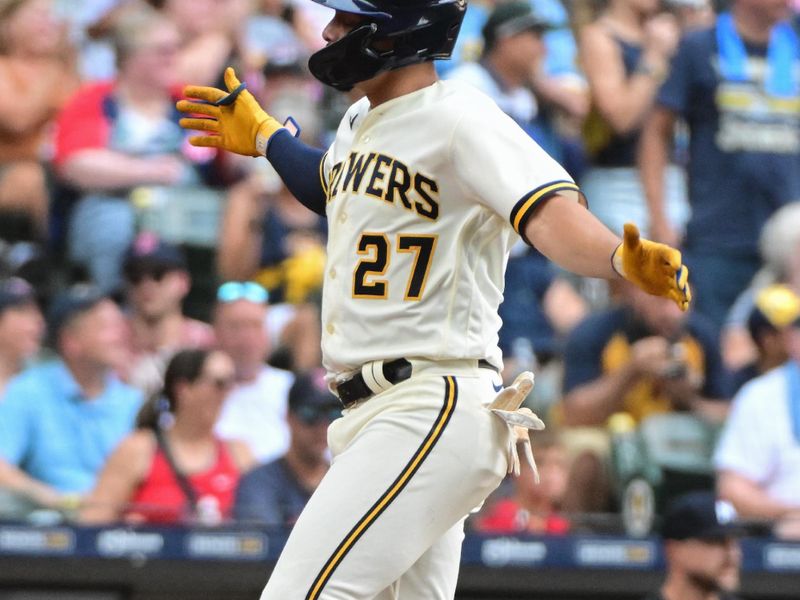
<point>347,61</point>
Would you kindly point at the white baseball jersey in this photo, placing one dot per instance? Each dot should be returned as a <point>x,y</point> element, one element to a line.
<point>424,196</point>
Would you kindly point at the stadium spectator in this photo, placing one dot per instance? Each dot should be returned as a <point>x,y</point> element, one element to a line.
<point>774,310</point>
<point>37,75</point>
<point>115,136</point>
<point>779,246</point>
<point>735,84</point>
<point>701,549</point>
<point>276,492</point>
<point>60,420</point>
<point>758,454</point>
<point>208,31</point>
<point>512,52</point>
<point>267,235</point>
<point>643,357</point>
<point>173,469</point>
<point>21,328</point>
<point>534,507</point>
<point>157,281</point>
<point>255,409</point>
<point>625,54</point>
<point>511,71</point>
<point>277,25</point>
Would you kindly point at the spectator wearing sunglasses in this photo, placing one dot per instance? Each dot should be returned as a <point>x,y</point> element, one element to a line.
<point>173,469</point>
<point>21,328</point>
<point>60,420</point>
<point>276,492</point>
<point>255,410</point>
<point>157,281</point>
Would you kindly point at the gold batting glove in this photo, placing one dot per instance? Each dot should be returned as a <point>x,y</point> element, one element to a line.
<point>654,267</point>
<point>234,119</point>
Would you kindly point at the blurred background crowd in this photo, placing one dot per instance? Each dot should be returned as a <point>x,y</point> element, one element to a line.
<point>159,303</point>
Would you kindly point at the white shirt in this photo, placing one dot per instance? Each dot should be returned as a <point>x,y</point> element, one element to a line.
<point>757,441</point>
<point>425,193</point>
<point>255,413</point>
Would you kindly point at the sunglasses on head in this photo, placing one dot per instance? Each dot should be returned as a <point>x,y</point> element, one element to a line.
<point>242,290</point>
<point>156,273</point>
<point>313,415</point>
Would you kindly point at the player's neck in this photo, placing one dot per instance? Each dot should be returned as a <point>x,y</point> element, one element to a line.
<point>398,82</point>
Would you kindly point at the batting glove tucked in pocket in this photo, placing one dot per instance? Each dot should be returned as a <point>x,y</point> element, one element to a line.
<point>506,406</point>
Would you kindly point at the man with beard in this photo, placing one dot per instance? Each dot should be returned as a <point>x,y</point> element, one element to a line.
<point>701,550</point>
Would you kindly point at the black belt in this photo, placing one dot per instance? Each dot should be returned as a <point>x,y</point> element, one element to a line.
<point>395,371</point>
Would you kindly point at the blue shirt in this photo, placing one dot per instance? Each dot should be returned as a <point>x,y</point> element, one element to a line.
<point>54,434</point>
<point>744,145</point>
<point>271,495</point>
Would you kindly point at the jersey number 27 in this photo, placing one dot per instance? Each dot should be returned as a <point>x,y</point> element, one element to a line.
<point>375,248</point>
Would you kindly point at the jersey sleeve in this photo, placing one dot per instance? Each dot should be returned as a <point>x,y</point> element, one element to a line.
<point>504,167</point>
<point>300,167</point>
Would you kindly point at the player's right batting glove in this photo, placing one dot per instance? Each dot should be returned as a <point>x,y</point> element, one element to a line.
<point>656,268</point>
<point>234,119</point>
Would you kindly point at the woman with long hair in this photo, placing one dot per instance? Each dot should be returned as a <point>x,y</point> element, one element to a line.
<point>625,53</point>
<point>173,469</point>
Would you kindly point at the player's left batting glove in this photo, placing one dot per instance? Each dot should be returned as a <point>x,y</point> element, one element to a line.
<point>506,405</point>
<point>654,267</point>
<point>234,119</point>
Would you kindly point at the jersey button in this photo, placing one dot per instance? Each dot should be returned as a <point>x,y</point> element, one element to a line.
<point>330,328</point>
<point>365,139</point>
<point>332,273</point>
<point>342,217</point>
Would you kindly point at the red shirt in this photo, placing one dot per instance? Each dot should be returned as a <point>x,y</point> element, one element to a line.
<point>160,499</point>
<point>86,119</point>
<point>508,517</point>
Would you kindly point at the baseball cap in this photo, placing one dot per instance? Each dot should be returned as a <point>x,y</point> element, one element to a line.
<point>149,252</point>
<point>70,304</point>
<point>285,59</point>
<point>511,18</point>
<point>311,400</point>
<point>14,292</point>
<point>776,307</point>
<point>700,515</point>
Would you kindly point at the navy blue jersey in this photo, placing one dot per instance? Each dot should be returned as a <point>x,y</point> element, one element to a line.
<point>744,144</point>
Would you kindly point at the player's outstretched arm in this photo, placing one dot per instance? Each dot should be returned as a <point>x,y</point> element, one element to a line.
<point>568,234</point>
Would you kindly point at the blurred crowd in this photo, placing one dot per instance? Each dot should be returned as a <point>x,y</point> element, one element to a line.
<point>159,303</point>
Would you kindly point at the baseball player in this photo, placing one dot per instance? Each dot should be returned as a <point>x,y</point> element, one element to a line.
<point>425,187</point>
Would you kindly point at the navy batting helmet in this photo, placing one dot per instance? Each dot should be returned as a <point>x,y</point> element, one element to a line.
<point>395,33</point>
